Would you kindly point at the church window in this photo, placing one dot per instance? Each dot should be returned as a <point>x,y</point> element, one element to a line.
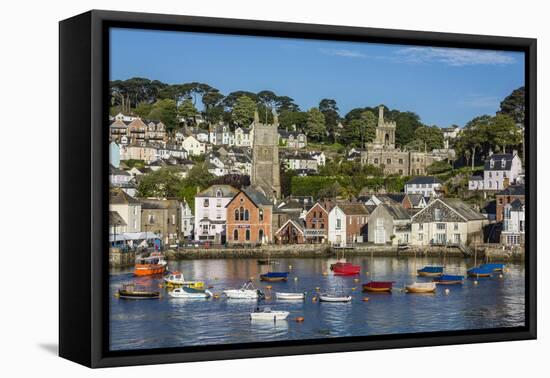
<point>241,213</point>
<point>246,215</point>
<point>388,161</point>
<point>236,214</point>
<point>261,214</point>
<point>247,235</point>
<point>375,161</point>
<point>400,161</point>
<point>236,235</point>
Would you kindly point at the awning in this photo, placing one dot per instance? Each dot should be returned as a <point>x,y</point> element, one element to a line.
<point>127,236</point>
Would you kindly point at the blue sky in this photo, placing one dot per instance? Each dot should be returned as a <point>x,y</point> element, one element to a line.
<point>443,86</point>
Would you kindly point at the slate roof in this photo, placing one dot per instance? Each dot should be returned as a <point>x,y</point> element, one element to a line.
<point>497,166</point>
<point>119,197</point>
<point>257,197</point>
<point>423,180</point>
<point>396,211</point>
<point>227,191</point>
<point>153,204</point>
<point>415,199</point>
<point>115,219</point>
<point>462,209</point>
<point>513,190</point>
<point>516,204</point>
<point>353,209</point>
<point>116,171</point>
<point>297,222</point>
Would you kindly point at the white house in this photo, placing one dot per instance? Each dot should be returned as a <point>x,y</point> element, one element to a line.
<point>210,212</point>
<point>187,220</point>
<point>428,186</point>
<point>337,226</point>
<point>118,177</point>
<point>447,221</point>
<point>243,137</point>
<point>475,183</point>
<point>222,135</point>
<point>194,146</point>
<point>171,150</point>
<point>114,154</point>
<point>501,170</point>
<point>127,207</point>
<point>389,223</point>
<point>319,157</point>
<point>513,230</point>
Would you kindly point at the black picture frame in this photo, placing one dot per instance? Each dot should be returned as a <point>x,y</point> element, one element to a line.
<point>83,196</point>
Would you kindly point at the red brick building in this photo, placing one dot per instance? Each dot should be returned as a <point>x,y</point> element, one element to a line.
<point>506,196</point>
<point>249,218</point>
<point>316,224</point>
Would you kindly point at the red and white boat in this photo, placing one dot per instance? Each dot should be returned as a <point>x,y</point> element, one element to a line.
<point>151,265</point>
<point>346,269</point>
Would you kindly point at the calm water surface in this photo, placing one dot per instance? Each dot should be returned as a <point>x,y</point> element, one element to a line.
<point>170,322</point>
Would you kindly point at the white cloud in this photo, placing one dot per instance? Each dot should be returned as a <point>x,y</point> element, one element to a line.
<point>344,53</point>
<point>453,57</point>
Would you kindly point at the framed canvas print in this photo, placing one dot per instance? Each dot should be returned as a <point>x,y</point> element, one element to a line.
<point>234,188</point>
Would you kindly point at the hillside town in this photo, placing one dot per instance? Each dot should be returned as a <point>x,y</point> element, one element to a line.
<point>243,189</point>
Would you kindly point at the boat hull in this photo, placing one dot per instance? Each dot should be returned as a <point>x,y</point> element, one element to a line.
<point>272,279</point>
<point>241,294</point>
<point>123,294</point>
<point>186,295</point>
<point>331,299</point>
<point>429,274</point>
<point>377,289</point>
<point>290,296</point>
<point>420,288</point>
<point>149,269</point>
<point>269,316</point>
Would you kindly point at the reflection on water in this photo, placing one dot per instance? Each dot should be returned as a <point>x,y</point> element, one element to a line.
<point>170,322</point>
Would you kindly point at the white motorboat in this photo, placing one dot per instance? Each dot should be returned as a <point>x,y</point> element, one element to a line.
<point>268,314</point>
<point>188,293</point>
<point>421,287</point>
<point>177,279</point>
<point>332,297</point>
<point>247,291</point>
<point>290,296</point>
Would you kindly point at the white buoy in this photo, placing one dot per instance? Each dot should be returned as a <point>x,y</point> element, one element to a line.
<point>447,291</point>
<point>475,282</point>
<point>295,278</point>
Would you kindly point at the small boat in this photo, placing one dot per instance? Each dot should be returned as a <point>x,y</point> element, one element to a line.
<point>267,262</point>
<point>274,276</point>
<point>187,292</point>
<point>290,296</point>
<point>333,297</point>
<point>247,291</point>
<point>449,279</point>
<point>151,265</point>
<point>378,286</point>
<point>129,291</point>
<point>421,287</point>
<point>177,279</point>
<point>268,314</point>
<point>430,271</point>
<point>480,272</point>
<point>495,267</point>
<point>345,269</point>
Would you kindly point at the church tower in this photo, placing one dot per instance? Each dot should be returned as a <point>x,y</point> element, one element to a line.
<point>385,131</point>
<point>265,158</point>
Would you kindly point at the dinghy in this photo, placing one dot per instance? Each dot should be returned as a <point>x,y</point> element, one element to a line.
<point>268,314</point>
<point>345,269</point>
<point>151,265</point>
<point>189,293</point>
<point>129,291</point>
<point>290,296</point>
<point>332,297</point>
<point>274,276</point>
<point>495,267</point>
<point>478,272</point>
<point>449,279</point>
<point>378,286</point>
<point>421,287</point>
<point>177,279</point>
<point>430,271</point>
<point>247,291</point>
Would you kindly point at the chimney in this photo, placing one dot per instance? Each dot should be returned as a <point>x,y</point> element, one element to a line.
<point>514,152</point>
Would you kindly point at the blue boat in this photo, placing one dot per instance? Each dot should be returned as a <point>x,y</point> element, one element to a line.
<point>430,271</point>
<point>480,272</point>
<point>274,276</point>
<point>495,267</point>
<point>449,279</point>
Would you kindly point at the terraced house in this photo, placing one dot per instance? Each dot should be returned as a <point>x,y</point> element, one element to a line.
<point>249,218</point>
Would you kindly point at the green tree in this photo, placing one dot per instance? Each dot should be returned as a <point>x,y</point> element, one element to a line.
<point>243,111</point>
<point>329,108</point>
<point>514,106</point>
<point>429,137</point>
<point>143,109</point>
<point>166,111</point>
<point>165,182</point>
<point>290,118</point>
<point>187,110</point>
<point>503,132</point>
<point>315,124</point>
<point>474,135</point>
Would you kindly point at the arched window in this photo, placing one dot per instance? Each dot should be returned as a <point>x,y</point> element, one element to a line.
<point>219,193</point>
<point>246,215</point>
<point>261,214</point>
<point>241,212</point>
<point>236,235</point>
<point>247,235</point>
<point>236,215</point>
<point>261,235</point>
<point>387,139</point>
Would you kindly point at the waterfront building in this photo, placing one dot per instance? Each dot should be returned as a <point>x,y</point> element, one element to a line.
<point>285,210</point>
<point>389,223</point>
<point>161,217</point>
<point>117,229</point>
<point>447,221</point>
<point>428,186</point>
<point>291,232</point>
<point>507,196</point>
<point>128,207</point>
<point>187,221</point>
<point>168,151</point>
<point>210,213</point>
<point>513,226</point>
<point>194,146</point>
<point>316,224</point>
<point>249,218</point>
<point>347,224</point>
<point>265,158</point>
<point>499,171</point>
<point>382,152</point>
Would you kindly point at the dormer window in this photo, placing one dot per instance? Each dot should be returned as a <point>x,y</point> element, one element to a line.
<point>503,163</point>
<point>219,193</point>
<point>492,163</point>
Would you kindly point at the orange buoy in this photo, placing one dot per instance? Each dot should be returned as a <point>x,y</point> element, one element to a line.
<point>353,288</point>
<point>210,286</point>
<point>314,299</point>
<point>325,273</point>
<point>268,287</point>
<point>366,299</point>
<point>299,319</point>
<point>216,296</point>
<point>356,280</point>
<point>267,298</point>
<point>317,288</point>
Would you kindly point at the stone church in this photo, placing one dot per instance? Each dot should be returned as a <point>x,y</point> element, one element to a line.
<point>383,153</point>
<point>265,158</point>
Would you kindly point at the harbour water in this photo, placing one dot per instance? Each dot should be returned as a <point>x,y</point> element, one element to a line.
<point>493,302</point>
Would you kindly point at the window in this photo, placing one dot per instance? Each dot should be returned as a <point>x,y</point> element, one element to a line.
<point>441,226</point>
<point>521,226</point>
<point>400,171</point>
<point>375,161</point>
<point>261,214</point>
<point>437,214</point>
<point>151,219</point>
<point>206,203</point>
<point>400,161</point>
<point>218,202</point>
<point>492,163</point>
<point>321,225</point>
<point>420,237</point>
<point>261,235</point>
<point>218,214</point>
<point>314,214</point>
<point>173,218</point>
<point>503,163</point>
<point>338,224</point>
<point>388,161</point>
<point>241,213</point>
<point>236,214</point>
<point>247,235</point>
<point>246,214</point>
<point>420,226</point>
<point>236,235</point>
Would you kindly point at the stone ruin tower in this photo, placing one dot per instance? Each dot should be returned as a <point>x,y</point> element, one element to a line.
<point>385,131</point>
<point>265,158</point>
